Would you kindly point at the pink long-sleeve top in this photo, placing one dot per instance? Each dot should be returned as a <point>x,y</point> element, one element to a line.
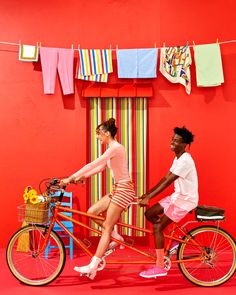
<point>114,158</point>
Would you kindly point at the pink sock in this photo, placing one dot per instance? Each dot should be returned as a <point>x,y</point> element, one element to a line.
<point>160,258</point>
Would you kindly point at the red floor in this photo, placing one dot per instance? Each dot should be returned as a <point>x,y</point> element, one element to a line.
<point>114,279</point>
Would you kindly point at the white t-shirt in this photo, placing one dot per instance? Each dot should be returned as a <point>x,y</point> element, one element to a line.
<point>185,194</point>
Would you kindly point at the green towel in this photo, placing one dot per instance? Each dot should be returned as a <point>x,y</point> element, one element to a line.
<point>208,62</point>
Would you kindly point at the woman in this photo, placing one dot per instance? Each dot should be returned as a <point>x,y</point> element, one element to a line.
<point>115,202</point>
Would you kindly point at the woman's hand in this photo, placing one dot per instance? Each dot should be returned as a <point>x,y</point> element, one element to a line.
<point>65,181</point>
<point>68,180</point>
<point>81,180</point>
<point>144,200</point>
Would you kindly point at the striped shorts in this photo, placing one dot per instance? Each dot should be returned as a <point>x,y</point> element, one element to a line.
<point>122,194</point>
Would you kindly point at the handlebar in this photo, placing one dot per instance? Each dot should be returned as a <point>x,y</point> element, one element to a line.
<point>52,186</point>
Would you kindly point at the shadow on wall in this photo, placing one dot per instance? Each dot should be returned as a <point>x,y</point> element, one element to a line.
<point>230,78</point>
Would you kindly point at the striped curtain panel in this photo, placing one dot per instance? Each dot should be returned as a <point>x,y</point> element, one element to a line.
<point>131,120</point>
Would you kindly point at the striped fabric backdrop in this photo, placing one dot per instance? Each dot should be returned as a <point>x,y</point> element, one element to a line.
<point>131,120</point>
<point>94,64</point>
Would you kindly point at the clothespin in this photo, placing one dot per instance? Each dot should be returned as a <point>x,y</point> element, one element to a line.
<point>187,44</point>
<point>40,44</point>
<point>155,45</point>
<point>19,43</point>
<point>116,47</point>
<point>193,43</point>
<point>72,46</point>
<point>37,46</point>
<point>110,47</point>
<point>217,41</point>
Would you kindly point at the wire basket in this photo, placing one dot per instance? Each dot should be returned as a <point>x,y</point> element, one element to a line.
<point>34,213</point>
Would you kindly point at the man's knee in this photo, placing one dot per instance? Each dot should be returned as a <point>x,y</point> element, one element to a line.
<point>148,215</point>
<point>151,217</point>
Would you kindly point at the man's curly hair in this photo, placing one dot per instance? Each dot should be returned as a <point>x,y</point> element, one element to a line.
<point>187,135</point>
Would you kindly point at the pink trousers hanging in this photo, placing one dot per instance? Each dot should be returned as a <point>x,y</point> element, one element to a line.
<point>53,59</point>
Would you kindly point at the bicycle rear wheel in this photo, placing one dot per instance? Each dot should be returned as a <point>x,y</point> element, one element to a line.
<point>215,268</point>
<point>26,262</point>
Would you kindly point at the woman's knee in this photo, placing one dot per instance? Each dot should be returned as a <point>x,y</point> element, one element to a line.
<point>90,211</point>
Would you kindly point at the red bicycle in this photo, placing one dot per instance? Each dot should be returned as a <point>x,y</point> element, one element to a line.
<point>206,254</point>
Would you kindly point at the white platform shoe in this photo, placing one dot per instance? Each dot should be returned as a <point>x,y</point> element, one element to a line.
<point>89,270</point>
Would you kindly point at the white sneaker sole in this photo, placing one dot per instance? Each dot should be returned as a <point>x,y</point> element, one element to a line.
<point>152,276</point>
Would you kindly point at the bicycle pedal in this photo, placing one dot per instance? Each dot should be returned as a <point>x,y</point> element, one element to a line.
<point>91,276</point>
<point>109,251</point>
<point>83,274</point>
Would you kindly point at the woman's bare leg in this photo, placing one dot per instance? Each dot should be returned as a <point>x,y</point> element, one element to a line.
<point>113,214</point>
<point>99,207</point>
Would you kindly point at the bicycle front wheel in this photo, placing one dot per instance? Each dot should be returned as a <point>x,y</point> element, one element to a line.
<point>27,263</point>
<point>213,261</point>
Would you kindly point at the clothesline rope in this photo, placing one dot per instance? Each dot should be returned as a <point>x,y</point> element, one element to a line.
<point>192,45</point>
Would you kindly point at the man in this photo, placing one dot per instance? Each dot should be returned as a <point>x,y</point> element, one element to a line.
<point>176,206</point>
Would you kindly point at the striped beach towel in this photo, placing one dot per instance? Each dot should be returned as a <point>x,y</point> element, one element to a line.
<point>94,64</point>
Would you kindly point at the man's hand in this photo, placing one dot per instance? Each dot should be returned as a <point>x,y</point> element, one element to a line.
<point>143,200</point>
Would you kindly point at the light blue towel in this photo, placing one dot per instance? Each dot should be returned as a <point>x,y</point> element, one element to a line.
<point>137,63</point>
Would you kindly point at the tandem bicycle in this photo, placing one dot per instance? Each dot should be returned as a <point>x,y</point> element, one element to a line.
<point>205,254</point>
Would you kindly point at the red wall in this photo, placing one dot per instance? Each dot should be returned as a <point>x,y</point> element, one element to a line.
<point>44,136</point>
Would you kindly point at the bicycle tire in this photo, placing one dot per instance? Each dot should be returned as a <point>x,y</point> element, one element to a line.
<point>213,270</point>
<point>30,266</point>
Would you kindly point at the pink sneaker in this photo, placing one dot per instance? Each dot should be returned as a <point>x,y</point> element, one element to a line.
<point>153,272</point>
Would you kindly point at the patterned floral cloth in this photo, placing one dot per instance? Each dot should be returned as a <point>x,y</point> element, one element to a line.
<point>175,65</point>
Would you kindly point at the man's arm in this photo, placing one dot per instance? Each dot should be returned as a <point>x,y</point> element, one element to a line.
<point>158,188</point>
<point>158,184</point>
